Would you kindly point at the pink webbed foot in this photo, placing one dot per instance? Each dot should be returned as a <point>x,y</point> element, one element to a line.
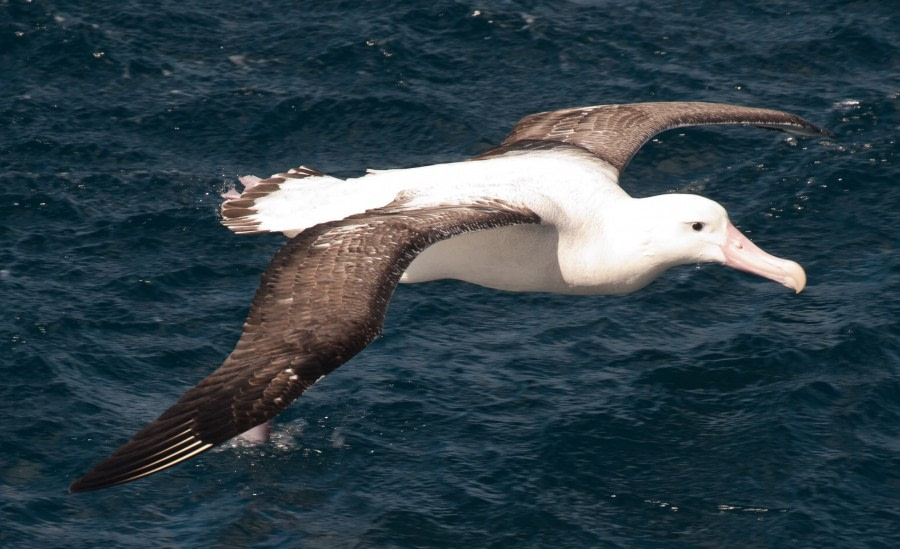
<point>232,194</point>
<point>249,181</point>
<point>258,434</point>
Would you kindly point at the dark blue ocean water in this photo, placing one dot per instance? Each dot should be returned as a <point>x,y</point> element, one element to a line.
<point>711,409</point>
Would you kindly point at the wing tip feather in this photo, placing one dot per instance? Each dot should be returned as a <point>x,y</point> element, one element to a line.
<point>143,456</point>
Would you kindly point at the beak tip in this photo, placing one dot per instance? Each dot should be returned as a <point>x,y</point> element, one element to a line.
<point>742,254</point>
<point>796,277</point>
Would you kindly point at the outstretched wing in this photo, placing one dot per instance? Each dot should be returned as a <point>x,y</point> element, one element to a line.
<point>321,300</point>
<point>615,133</point>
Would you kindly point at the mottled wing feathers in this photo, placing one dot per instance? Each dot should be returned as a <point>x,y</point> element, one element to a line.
<point>321,300</point>
<point>615,133</point>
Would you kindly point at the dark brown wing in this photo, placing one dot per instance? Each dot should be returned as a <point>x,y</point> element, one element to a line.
<point>321,300</point>
<point>614,133</point>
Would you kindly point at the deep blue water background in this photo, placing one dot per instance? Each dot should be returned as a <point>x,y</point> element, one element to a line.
<point>711,409</point>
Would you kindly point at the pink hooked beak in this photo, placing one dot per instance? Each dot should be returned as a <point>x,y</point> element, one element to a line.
<point>744,255</point>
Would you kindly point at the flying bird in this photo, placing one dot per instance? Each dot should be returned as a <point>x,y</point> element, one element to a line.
<point>542,212</point>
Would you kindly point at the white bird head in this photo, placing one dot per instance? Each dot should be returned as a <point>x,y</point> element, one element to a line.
<point>678,229</point>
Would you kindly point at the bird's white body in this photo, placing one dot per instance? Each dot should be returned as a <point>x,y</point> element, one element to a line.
<point>593,237</point>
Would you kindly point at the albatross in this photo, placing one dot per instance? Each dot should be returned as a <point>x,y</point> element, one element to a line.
<point>542,212</point>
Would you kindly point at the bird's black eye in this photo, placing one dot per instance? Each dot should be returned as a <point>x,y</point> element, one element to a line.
<point>697,226</point>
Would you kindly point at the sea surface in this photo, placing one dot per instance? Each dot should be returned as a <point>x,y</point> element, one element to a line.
<point>710,409</point>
